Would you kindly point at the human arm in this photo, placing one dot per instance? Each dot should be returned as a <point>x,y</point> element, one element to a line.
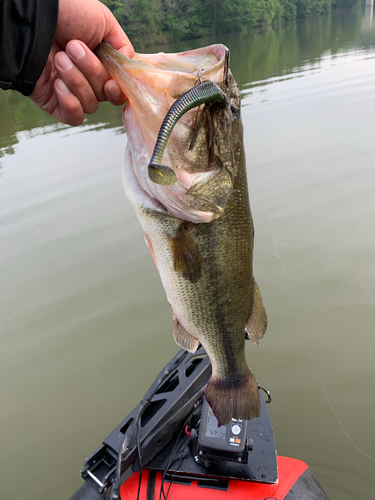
<point>27,29</point>
<point>72,80</point>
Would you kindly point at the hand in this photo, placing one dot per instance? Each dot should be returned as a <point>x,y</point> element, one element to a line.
<point>74,81</point>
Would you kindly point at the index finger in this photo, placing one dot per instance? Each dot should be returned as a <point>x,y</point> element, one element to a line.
<point>89,65</point>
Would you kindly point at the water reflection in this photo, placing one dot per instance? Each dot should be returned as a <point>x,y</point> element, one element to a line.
<point>368,17</point>
<point>259,55</point>
<point>21,119</point>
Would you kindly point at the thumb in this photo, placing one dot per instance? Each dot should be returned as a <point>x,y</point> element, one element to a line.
<point>127,50</point>
<point>116,36</point>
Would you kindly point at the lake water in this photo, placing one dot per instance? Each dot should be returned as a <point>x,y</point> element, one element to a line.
<point>85,325</point>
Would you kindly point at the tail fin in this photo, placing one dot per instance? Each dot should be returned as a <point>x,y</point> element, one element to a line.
<point>237,400</point>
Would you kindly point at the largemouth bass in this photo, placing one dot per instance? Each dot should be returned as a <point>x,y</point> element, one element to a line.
<point>194,207</point>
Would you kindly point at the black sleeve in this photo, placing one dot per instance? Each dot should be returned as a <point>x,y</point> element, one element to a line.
<point>27,29</point>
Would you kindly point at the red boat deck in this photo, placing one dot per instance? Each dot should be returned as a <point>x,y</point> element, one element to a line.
<point>289,470</point>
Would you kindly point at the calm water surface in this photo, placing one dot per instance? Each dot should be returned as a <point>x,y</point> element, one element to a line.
<point>85,326</point>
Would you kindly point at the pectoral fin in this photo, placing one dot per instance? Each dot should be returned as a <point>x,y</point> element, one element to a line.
<point>182,337</point>
<point>257,322</point>
<point>186,258</point>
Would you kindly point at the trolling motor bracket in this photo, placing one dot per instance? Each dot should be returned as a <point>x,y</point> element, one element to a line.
<point>172,403</point>
<point>253,459</point>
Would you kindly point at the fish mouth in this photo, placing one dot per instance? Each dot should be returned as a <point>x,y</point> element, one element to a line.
<point>153,83</point>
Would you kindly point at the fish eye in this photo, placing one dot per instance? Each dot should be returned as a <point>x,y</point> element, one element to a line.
<point>235,112</point>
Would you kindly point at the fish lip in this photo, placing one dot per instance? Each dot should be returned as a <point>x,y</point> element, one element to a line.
<point>104,51</point>
<point>150,113</point>
<point>189,72</point>
<point>106,54</point>
<point>133,187</point>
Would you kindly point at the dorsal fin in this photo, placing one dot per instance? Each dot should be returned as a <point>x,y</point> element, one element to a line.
<point>257,322</point>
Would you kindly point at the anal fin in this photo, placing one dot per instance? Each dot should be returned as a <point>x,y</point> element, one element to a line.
<point>256,324</point>
<point>183,338</point>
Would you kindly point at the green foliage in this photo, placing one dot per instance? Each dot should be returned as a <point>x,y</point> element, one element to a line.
<point>141,19</point>
<point>346,4</point>
<point>306,8</point>
<point>149,22</point>
<point>257,55</point>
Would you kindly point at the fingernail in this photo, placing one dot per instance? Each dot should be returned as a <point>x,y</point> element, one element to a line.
<point>127,50</point>
<point>64,62</point>
<point>76,50</point>
<point>113,90</point>
<point>62,87</point>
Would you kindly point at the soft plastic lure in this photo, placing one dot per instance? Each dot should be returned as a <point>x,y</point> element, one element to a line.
<point>201,94</point>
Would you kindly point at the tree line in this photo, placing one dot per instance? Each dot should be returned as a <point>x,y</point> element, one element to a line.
<point>151,22</point>
<point>274,52</point>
